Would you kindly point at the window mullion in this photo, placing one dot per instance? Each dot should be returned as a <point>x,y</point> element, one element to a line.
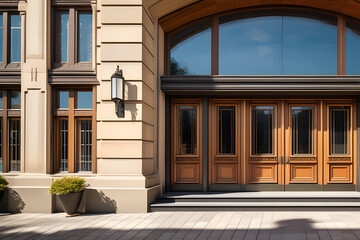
<point>215,46</point>
<point>5,38</point>
<point>71,134</point>
<point>341,51</point>
<point>72,24</point>
<point>5,134</point>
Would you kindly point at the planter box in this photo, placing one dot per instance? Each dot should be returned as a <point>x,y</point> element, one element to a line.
<point>70,202</point>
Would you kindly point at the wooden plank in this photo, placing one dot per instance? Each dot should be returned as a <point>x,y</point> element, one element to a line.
<point>71,133</point>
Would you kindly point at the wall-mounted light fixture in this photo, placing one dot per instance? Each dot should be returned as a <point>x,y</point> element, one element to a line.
<point>118,92</point>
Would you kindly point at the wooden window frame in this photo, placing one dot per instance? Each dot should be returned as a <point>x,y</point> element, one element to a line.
<point>341,33</point>
<point>73,115</point>
<point>6,114</point>
<point>6,64</point>
<point>72,62</point>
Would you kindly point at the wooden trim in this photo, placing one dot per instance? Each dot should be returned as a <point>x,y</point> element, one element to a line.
<point>72,37</point>
<point>6,38</point>
<point>71,2</point>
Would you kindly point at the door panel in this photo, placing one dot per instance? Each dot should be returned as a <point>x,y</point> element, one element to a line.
<point>186,150</point>
<point>340,138</point>
<point>301,145</point>
<point>224,138</point>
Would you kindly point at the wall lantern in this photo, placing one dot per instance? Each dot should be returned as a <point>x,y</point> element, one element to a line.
<point>118,92</point>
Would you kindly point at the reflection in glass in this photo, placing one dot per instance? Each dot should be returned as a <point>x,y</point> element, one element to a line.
<point>352,50</point>
<point>63,128</point>
<point>262,130</point>
<point>310,47</point>
<point>14,144</point>
<point>187,130</point>
<point>226,130</point>
<point>339,127</point>
<point>1,37</point>
<point>85,37</point>
<point>251,46</point>
<point>64,31</point>
<point>63,99</point>
<point>84,100</point>
<point>15,38</point>
<point>15,100</point>
<point>85,145</point>
<point>192,56</point>
<point>302,120</point>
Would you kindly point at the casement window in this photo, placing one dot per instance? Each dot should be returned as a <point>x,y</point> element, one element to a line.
<point>73,38</point>
<point>74,124</point>
<point>10,137</point>
<point>10,40</point>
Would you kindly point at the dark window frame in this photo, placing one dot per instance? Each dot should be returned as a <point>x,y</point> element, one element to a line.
<point>74,116</point>
<point>72,62</point>
<point>6,64</point>
<point>7,114</point>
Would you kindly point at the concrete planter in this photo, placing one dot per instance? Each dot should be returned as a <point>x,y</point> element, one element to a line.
<point>70,202</point>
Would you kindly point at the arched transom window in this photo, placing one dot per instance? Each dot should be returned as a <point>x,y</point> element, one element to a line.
<point>268,42</point>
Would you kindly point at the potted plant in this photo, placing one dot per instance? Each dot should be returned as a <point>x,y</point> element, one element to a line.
<point>3,186</point>
<point>69,190</point>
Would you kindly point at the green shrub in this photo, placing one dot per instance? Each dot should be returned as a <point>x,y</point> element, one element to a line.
<point>67,185</point>
<point>3,183</point>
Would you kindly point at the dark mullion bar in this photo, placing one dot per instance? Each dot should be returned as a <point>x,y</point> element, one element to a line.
<point>341,51</point>
<point>5,38</point>
<point>215,45</point>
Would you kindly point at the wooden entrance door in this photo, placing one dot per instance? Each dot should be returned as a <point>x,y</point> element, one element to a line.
<point>303,139</point>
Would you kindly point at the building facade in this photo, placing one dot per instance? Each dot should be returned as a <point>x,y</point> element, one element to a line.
<point>220,95</point>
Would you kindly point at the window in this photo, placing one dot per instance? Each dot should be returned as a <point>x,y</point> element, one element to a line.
<point>302,124</point>
<point>10,33</point>
<point>352,49</point>
<point>262,130</point>
<point>187,130</point>
<point>73,128</point>
<point>339,126</point>
<point>73,38</point>
<point>226,130</point>
<point>10,131</point>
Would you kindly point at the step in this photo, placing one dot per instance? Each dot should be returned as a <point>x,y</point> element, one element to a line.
<point>255,206</point>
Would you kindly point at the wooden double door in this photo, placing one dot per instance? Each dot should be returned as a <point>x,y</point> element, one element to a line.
<point>266,144</point>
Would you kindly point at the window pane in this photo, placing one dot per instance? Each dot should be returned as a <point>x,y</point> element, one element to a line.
<point>262,130</point>
<point>63,127</point>
<point>192,56</point>
<point>15,100</point>
<point>1,100</point>
<point>84,100</point>
<point>302,120</point>
<point>14,144</point>
<point>226,130</point>
<point>1,37</point>
<point>85,145</point>
<point>85,37</point>
<point>187,130</point>
<point>310,47</point>
<point>251,46</point>
<point>64,38</point>
<point>353,50</point>
<point>339,127</point>
<point>63,99</point>
<point>15,38</point>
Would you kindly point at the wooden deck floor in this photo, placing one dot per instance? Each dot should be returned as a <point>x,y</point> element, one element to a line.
<point>184,225</point>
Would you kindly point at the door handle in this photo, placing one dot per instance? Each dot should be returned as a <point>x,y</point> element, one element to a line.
<point>286,159</point>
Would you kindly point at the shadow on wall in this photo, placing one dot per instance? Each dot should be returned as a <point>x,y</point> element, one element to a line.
<point>132,93</point>
<point>97,201</point>
<point>16,204</point>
